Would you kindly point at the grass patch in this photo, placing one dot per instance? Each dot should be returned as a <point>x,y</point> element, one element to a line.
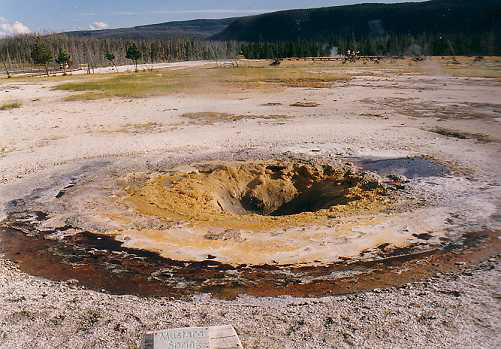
<point>10,105</point>
<point>87,96</point>
<point>287,76</point>
<point>305,104</point>
<point>130,85</point>
<point>210,118</point>
<point>489,67</point>
<point>3,151</point>
<point>200,81</point>
<point>137,128</point>
<point>479,137</point>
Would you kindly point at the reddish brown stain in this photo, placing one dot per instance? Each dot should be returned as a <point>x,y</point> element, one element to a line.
<point>72,260</point>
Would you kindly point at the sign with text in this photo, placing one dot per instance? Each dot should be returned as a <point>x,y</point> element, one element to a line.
<point>220,337</point>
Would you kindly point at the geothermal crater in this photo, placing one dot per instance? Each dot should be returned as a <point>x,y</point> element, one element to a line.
<point>261,227</point>
<point>254,195</point>
<point>253,213</point>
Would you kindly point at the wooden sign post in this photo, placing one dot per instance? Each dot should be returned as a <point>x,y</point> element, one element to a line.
<point>220,337</point>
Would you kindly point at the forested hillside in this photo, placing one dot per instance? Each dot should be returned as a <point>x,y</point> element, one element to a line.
<point>198,28</point>
<point>432,17</point>
<point>434,27</point>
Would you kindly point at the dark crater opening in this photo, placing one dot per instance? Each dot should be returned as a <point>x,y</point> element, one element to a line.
<point>293,189</point>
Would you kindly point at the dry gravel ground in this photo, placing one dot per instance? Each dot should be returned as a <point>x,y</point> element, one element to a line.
<point>446,312</point>
<point>376,114</point>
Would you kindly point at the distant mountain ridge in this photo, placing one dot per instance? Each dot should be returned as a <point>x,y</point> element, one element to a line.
<point>199,28</point>
<point>431,28</point>
<point>323,24</point>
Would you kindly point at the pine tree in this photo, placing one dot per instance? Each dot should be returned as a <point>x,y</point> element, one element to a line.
<point>62,59</point>
<point>133,53</point>
<point>41,54</point>
<point>111,58</point>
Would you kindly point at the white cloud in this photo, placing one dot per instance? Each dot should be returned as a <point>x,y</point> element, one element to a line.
<point>188,12</point>
<point>12,28</point>
<point>98,26</point>
<point>222,11</point>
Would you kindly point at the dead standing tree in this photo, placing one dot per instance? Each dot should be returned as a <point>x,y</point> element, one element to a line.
<point>6,70</point>
<point>5,64</point>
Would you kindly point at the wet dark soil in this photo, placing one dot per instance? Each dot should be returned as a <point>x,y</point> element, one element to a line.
<point>103,264</point>
<point>411,168</point>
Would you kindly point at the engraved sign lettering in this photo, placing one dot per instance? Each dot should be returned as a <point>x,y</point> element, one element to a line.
<point>221,337</point>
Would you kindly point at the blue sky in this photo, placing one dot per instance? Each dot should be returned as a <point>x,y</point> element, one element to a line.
<point>61,15</point>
